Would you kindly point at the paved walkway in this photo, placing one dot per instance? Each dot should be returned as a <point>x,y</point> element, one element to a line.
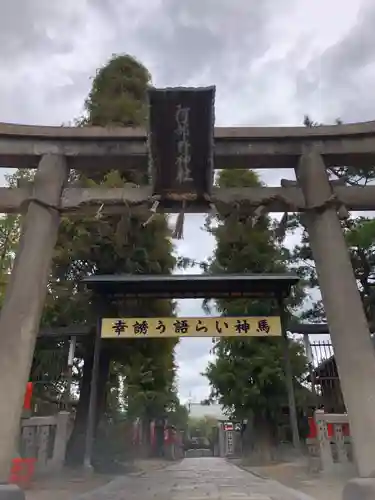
<point>195,479</point>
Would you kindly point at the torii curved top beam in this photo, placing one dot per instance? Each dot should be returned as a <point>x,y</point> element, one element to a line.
<point>221,133</point>
<point>91,148</point>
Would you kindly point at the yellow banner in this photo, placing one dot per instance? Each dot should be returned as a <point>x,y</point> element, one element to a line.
<point>239,326</point>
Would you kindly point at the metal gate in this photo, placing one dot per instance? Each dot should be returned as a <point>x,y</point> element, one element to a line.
<point>323,375</point>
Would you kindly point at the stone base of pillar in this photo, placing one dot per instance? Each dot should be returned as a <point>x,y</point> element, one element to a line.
<point>358,489</point>
<point>11,492</point>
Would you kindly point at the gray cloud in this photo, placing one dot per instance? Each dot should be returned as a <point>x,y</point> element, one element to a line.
<point>190,381</point>
<point>270,60</point>
<point>193,354</point>
<point>209,37</point>
<point>194,348</point>
<point>341,78</point>
<point>30,28</point>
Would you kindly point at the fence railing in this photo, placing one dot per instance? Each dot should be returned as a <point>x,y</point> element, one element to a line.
<point>45,439</point>
<point>330,441</point>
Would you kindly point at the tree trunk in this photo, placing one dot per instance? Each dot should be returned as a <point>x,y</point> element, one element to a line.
<point>76,443</point>
<point>104,363</point>
<point>158,448</point>
<point>146,437</point>
<point>263,439</point>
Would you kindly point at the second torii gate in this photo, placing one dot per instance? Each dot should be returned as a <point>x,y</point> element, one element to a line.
<point>274,289</point>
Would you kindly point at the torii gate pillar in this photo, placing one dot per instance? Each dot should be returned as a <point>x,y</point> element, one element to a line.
<point>353,348</point>
<point>24,301</point>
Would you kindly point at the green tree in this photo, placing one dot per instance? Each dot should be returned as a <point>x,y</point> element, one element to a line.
<point>9,236</point>
<point>109,245</point>
<point>178,415</point>
<point>202,427</point>
<point>49,360</point>
<point>118,96</point>
<point>10,230</point>
<point>360,237</point>
<point>247,376</point>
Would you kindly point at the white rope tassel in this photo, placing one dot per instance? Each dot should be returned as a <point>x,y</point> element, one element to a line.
<point>282,227</point>
<point>211,205</point>
<point>179,228</point>
<point>213,209</point>
<point>153,210</point>
<point>258,212</point>
<point>342,212</point>
<point>99,212</point>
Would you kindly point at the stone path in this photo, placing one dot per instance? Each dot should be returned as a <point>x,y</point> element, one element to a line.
<point>195,479</point>
<point>71,482</point>
<point>298,475</point>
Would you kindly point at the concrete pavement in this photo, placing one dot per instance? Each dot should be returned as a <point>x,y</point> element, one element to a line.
<point>195,479</point>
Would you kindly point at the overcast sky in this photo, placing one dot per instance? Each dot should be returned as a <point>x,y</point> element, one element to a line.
<point>272,62</point>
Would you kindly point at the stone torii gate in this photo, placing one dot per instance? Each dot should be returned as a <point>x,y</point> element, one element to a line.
<point>56,150</point>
